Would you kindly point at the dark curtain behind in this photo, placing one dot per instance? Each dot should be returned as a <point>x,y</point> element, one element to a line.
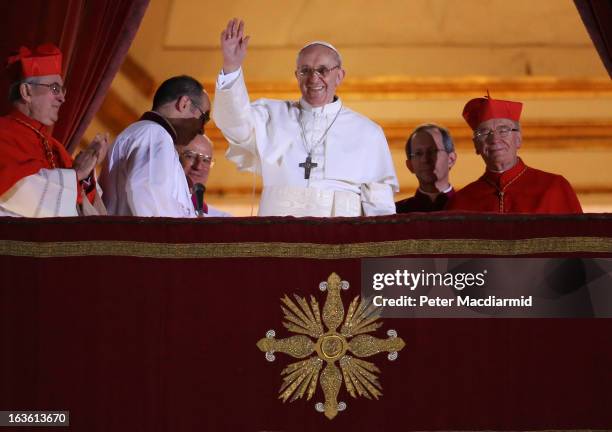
<point>597,18</point>
<point>94,37</point>
<point>29,23</point>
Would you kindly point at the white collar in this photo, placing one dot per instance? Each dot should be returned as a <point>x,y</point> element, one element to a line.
<point>447,190</point>
<point>328,109</point>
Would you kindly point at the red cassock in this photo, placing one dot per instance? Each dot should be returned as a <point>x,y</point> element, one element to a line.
<point>23,150</point>
<point>521,189</point>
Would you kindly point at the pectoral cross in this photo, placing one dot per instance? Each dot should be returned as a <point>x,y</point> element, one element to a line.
<point>308,164</point>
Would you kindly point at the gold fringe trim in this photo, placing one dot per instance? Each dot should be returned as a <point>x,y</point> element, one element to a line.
<point>307,250</point>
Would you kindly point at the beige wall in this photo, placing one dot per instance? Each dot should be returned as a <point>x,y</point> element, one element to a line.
<point>377,38</point>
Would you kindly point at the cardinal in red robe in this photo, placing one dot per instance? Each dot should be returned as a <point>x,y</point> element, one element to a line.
<point>508,185</point>
<point>38,178</point>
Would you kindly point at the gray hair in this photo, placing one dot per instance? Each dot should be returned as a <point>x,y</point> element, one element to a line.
<point>447,140</point>
<point>14,94</point>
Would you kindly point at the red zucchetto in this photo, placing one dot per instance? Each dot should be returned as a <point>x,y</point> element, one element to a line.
<point>482,109</point>
<point>45,59</point>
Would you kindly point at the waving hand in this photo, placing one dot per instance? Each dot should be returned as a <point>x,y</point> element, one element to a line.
<point>233,45</point>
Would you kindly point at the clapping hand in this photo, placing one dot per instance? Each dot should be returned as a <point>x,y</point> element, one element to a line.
<point>95,153</point>
<point>100,146</point>
<point>233,45</point>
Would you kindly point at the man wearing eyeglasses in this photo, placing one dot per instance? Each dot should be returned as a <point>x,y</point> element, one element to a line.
<point>197,160</point>
<point>38,178</point>
<point>316,156</point>
<point>430,154</point>
<point>508,185</point>
<point>143,175</point>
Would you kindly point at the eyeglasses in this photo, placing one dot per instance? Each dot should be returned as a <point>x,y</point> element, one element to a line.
<point>429,153</point>
<point>502,131</point>
<point>55,88</point>
<point>204,116</point>
<point>321,71</point>
<point>192,156</point>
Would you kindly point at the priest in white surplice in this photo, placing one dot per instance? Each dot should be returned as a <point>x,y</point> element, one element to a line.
<point>316,156</point>
<point>143,175</point>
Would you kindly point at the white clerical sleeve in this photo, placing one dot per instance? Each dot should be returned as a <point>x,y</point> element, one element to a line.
<point>225,81</point>
<point>48,193</point>
<point>150,180</point>
<point>233,114</point>
<point>377,199</point>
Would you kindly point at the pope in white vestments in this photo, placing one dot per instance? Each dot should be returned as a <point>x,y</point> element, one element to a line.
<point>316,156</point>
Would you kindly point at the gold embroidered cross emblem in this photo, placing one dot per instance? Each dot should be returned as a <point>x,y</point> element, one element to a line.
<point>319,334</point>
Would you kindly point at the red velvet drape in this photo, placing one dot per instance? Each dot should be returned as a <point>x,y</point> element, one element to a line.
<point>94,37</point>
<point>597,18</point>
<point>29,23</point>
<point>147,334</point>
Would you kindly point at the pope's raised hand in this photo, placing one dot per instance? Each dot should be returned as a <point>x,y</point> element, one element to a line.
<point>233,45</point>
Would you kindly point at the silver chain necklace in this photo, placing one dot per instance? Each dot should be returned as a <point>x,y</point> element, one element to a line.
<point>308,164</point>
<point>320,140</point>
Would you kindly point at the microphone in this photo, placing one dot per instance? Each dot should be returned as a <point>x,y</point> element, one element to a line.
<point>198,190</point>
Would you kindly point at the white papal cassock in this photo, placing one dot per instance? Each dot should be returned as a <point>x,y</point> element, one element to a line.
<point>143,175</point>
<point>354,173</point>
